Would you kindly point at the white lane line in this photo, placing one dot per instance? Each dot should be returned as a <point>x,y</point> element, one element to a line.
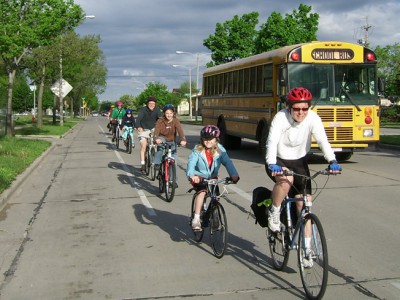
<point>396,284</point>
<point>133,182</point>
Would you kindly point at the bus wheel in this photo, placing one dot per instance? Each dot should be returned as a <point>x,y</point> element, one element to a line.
<point>343,156</point>
<point>227,140</point>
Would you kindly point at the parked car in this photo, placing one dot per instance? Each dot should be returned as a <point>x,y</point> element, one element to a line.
<point>95,114</point>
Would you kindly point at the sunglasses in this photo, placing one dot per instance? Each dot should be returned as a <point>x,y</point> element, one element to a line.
<point>297,109</point>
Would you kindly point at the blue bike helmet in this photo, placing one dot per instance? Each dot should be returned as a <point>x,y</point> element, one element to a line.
<point>168,106</point>
<point>129,111</point>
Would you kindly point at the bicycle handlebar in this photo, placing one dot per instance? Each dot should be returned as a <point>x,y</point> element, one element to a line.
<point>226,180</point>
<point>322,172</point>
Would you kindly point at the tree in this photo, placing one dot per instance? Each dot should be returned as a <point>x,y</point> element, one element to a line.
<point>238,38</point>
<point>389,67</point>
<point>233,40</point>
<point>27,24</point>
<point>84,68</point>
<point>299,27</point>
<point>158,90</point>
<point>129,101</point>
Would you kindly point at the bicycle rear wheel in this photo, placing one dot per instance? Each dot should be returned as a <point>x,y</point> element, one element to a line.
<point>152,170</point>
<point>279,248</point>
<point>313,261</point>
<point>198,234</point>
<point>170,182</point>
<point>218,230</point>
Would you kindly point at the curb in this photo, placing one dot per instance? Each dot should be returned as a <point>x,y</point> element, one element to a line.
<point>389,147</point>
<point>6,195</point>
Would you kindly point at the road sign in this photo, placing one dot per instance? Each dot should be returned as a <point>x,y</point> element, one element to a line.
<point>65,88</point>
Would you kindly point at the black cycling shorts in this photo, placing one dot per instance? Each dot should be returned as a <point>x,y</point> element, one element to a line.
<point>299,166</point>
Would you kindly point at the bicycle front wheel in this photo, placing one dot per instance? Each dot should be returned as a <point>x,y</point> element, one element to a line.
<point>152,170</point>
<point>170,181</point>
<point>161,182</point>
<point>117,136</point>
<point>218,230</point>
<point>198,234</point>
<point>147,161</point>
<point>313,258</point>
<point>129,144</point>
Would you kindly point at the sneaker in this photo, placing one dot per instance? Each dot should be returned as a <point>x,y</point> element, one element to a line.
<point>308,261</point>
<point>175,185</point>
<point>196,224</point>
<point>274,222</point>
<point>143,169</point>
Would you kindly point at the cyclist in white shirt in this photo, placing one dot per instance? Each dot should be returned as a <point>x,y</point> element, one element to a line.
<point>288,143</point>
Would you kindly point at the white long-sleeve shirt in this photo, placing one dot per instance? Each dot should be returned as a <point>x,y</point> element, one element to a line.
<point>289,139</point>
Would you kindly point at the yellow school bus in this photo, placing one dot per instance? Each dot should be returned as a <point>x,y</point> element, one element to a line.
<point>242,97</point>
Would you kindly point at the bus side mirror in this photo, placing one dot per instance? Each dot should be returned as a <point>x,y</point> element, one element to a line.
<point>381,85</point>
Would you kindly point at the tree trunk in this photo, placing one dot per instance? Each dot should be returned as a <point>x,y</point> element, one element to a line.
<point>9,120</point>
<point>40,98</point>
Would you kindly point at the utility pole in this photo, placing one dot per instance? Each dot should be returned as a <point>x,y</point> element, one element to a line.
<point>364,41</point>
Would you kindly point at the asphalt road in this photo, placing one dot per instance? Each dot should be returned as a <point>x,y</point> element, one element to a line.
<point>85,224</point>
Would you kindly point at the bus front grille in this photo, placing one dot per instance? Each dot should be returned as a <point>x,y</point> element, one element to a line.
<point>339,134</point>
<point>335,114</point>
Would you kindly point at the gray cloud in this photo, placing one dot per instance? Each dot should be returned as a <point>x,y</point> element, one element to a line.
<point>139,38</point>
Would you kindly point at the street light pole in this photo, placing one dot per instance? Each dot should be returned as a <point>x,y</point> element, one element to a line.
<point>190,88</point>
<point>197,77</point>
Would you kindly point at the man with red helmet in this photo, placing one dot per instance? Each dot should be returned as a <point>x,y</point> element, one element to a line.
<point>288,143</point>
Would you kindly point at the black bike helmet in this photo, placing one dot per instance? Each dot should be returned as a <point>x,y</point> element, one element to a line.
<point>129,111</point>
<point>154,99</point>
<point>298,95</point>
<point>209,132</point>
<point>168,106</point>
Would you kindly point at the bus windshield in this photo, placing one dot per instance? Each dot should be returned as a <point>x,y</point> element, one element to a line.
<point>336,84</point>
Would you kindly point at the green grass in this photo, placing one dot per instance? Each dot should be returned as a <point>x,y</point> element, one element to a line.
<point>16,155</point>
<point>24,126</point>
<point>390,139</point>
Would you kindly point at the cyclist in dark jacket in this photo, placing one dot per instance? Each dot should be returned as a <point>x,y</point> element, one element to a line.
<point>145,122</point>
<point>128,123</point>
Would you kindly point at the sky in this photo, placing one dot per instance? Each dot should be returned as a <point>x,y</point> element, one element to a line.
<point>140,37</point>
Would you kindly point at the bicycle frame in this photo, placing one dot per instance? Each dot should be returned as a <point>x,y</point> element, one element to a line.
<point>307,237</point>
<point>167,159</point>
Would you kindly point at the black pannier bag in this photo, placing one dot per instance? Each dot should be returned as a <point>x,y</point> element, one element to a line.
<point>260,205</point>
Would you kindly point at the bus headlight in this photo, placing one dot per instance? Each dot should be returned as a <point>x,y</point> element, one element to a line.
<point>368,133</point>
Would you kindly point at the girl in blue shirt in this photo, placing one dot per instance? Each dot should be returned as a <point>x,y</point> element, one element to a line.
<point>204,162</point>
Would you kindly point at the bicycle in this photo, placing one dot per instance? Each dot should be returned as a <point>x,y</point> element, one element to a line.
<point>149,158</point>
<point>116,135</point>
<point>212,216</point>
<point>167,173</point>
<point>313,264</point>
<point>129,139</point>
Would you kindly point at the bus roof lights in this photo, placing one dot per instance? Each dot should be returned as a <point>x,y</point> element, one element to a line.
<point>295,56</point>
<point>370,56</point>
